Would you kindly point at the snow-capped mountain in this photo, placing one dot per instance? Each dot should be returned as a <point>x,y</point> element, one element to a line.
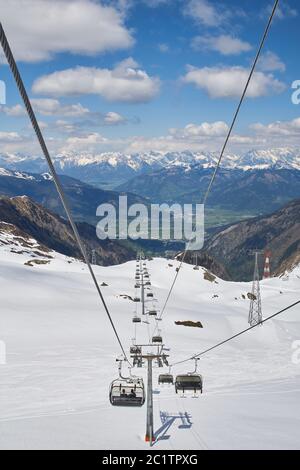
<point>281,158</point>
<point>115,167</point>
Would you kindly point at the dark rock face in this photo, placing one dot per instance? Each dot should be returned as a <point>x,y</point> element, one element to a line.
<point>278,232</point>
<point>206,261</point>
<point>53,232</point>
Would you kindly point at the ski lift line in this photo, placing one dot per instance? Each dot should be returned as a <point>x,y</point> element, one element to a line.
<point>197,356</point>
<point>16,74</point>
<point>261,45</point>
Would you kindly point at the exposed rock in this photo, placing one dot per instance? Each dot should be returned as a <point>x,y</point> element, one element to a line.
<point>278,232</point>
<point>30,220</point>
<point>206,261</point>
<point>189,323</point>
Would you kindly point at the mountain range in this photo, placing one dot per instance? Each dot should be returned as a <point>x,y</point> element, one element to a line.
<point>109,170</point>
<point>227,253</point>
<point>83,198</point>
<point>279,232</point>
<point>250,192</point>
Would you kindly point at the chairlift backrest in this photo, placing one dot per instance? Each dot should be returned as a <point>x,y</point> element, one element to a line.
<point>127,392</point>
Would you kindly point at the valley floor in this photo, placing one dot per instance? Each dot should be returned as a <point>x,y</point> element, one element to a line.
<point>61,359</point>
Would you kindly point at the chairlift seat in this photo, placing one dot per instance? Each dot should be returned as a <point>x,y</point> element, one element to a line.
<point>192,382</point>
<point>152,313</point>
<point>130,392</point>
<point>136,320</point>
<point>166,379</point>
<point>157,339</point>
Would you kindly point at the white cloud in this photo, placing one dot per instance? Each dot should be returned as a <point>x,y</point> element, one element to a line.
<point>113,119</point>
<point>197,137</point>
<point>8,137</point>
<point>47,27</point>
<point>229,82</point>
<point>206,129</point>
<point>224,44</point>
<point>270,62</point>
<point>205,12</point>
<point>279,128</point>
<point>87,143</point>
<point>51,107</point>
<point>125,83</point>
<point>13,111</point>
<point>284,11</point>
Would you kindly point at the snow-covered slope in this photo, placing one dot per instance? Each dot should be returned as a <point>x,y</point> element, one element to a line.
<point>61,359</point>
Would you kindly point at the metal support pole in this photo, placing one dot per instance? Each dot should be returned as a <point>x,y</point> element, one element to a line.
<point>149,426</point>
<point>143,294</point>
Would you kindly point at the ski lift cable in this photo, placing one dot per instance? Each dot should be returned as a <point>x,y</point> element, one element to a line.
<point>17,76</point>
<point>197,356</point>
<point>212,180</point>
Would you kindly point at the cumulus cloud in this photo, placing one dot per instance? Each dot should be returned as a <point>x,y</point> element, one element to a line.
<point>224,44</point>
<point>8,137</point>
<point>278,128</point>
<point>13,111</point>
<point>229,82</point>
<point>196,137</point>
<point>113,119</point>
<point>48,27</point>
<point>209,13</point>
<point>270,62</point>
<point>206,129</point>
<point>87,143</point>
<point>51,107</point>
<point>125,83</point>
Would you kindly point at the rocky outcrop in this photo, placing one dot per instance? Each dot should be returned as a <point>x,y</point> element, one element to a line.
<point>54,232</point>
<point>278,232</point>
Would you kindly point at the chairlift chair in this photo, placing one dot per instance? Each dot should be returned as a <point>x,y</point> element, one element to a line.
<point>167,379</point>
<point>193,382</point>
<point>136,319</point>
<point>150,295</point>
<point>157,339</point>
<point>152,313</point>
<point>136,299</point>
<point>127,392</point>
<point>135,350</point>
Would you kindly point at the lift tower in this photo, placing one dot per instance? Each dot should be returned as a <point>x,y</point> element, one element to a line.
<point>255,313</point>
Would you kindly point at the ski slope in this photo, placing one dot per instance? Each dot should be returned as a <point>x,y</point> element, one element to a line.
<point>61,356</point>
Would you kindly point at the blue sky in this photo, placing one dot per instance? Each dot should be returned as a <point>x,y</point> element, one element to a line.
<point>128,75</point>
